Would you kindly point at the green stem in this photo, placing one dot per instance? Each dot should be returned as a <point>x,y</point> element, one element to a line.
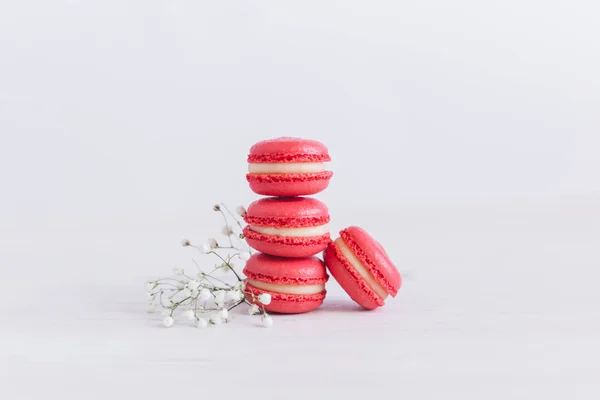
<point>235,305</point>
<point>229,266</point>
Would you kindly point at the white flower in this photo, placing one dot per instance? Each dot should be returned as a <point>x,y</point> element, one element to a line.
<point>150,308</point>
<point>241,211</point>
<point>189,314</point>
<point>216,319</point>
<point>233,295</point>
<point>241,285</point>
<point>227,230</point>
<point>205,248</point>
<point>150,286</point>
<point>186,292</point>
<point>244,256</point>
<point>213,243</point>
<point>253,309</point>
<point>224,313</point>
<point>204,294</point>
<point>168,322</point>
<point>236,295</point>
<point>219,298</point>
<point>264,298</point>
<point>185,242</point>
<point>193,285</point>
<point>266,320</point>
<point>181,285</point>
<point>202,323</point>
<point>177,271</point>
<point>195,293</point>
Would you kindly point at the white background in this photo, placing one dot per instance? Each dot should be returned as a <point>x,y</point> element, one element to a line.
<point>464,135</point>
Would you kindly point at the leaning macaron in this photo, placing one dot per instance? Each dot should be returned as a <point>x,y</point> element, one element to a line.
<point>287,226</point>
<point>362,268</point>
<point>296,285</point>
<point>288,166</point>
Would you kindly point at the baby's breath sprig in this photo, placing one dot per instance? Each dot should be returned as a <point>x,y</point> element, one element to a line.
<point>205,298</point>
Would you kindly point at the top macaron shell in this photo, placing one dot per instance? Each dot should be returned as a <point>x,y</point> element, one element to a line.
<point>286,273</point>
<point>291,182</point>
<point>268,216</point>
<point>287,212</point>
<point>373,258</point>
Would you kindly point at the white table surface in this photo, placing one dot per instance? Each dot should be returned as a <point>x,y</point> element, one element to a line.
<point>499,301</point>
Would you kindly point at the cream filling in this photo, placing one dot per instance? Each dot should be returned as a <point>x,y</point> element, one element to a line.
<point>287,289</point>
<point>285,168</point>
<point>292,232</point>
<point>360,268</point>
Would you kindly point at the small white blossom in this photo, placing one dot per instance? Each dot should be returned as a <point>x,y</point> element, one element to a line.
<point>168,322</point>
<point>204,294</point>
<point>241,210</point>
<point>241,285</point>
<point>264,298</point>
<point>202,323</point>
<point>185,242</point>
<point>186,292</point>
<point>150,308</point>
<point>220,298</point>
<point>266,320</point>
<point>224,313</point>
<point>216,319</point>
<point>253,309</point>
<point>213,243</point>
<point>177,271</point>
<point>193,284</point>
<point>227,230</point>
<point>189,314</point>
<point>195,293</point>
<point>244,256</point>
<point>205,248</point>
<point>233,295</point>
<point>217,207</point>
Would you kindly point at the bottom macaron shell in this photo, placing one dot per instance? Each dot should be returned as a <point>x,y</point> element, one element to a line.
<point>288,184</point>
<point>287,303</point>
<point>356,287</point>
<point>286,247</point>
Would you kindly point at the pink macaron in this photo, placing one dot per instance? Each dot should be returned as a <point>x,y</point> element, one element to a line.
<point>287,226</point>
<point>362,268</point>
<point>288,166</point>
<point>296,285</point>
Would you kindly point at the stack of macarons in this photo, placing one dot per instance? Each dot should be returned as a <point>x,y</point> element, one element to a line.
<point>289,230</point>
